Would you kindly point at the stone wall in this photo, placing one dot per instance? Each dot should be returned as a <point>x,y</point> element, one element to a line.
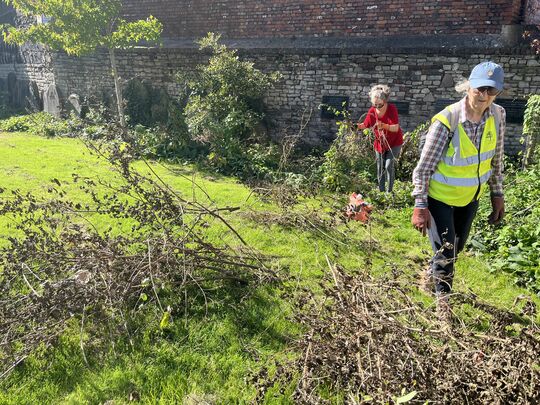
<point>420,85</point>
<point>342,18</point>
<point>420,82</point>
<point>26,71</point>
<point>25,74</point>
<point>532,12</point>
<point>421,49</point>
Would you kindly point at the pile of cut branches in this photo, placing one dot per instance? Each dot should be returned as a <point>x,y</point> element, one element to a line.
<point>309,220</point>
<point>368,341</point>
<point>57,267</point>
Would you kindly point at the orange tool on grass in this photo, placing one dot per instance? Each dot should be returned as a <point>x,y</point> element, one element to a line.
<point>358,209</point>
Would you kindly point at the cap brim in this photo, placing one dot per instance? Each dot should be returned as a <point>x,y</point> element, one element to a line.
<point>475,83</point>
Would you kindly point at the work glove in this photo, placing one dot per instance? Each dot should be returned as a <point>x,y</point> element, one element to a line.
<point>421,220</point>
<point>497,213</point>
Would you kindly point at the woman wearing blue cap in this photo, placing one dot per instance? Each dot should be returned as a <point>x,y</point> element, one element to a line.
<point>461,157</point>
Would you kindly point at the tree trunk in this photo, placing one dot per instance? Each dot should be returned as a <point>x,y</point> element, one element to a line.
<point>117,90</point>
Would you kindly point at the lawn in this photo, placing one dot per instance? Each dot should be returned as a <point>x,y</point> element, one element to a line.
<point>212,354</point>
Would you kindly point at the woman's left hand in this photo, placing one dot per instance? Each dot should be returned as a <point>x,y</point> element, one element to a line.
<point>382,125</point>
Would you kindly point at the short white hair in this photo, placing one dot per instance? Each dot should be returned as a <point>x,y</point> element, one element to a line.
<point>380,91</point>
<point>463,86</point>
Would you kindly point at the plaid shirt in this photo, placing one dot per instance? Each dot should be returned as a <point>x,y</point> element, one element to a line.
<point>437,139</point>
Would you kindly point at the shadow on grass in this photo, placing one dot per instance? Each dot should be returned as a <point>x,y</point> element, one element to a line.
<point>214,342</point>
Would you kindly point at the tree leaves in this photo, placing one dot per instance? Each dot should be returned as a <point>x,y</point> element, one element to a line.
<point>128,34</point>
<point>78,27</point>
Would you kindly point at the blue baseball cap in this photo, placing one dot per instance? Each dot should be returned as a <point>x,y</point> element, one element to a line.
<point>487,74</point>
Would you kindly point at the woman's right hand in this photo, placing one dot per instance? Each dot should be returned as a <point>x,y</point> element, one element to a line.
<point>421,220</point>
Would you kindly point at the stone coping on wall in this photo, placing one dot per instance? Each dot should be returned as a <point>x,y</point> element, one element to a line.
<point>442,45</point>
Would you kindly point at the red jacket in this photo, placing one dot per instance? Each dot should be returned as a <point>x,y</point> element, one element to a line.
<point>384,140</point>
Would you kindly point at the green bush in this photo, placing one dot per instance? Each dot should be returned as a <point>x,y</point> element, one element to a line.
<point>410,152</point>
<point>41,123</point>
<point>146,104</point>
<point>224,108</point>
<point>15,124</point>
<point>515,245</point>
<point>349,164</point>
<point>170,140</point>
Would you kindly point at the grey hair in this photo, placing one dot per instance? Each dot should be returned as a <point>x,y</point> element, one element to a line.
<point>463,86</point>
<point>380,91</point>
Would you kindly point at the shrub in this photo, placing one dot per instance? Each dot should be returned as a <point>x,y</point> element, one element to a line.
<point>171,139</point>
<point>41,123</point>
<point>515,246</point>
<point>146,104</point>
<point>224,108</point>
<point>410,152</point>
<point>15,124</point>
<point>349,163</point>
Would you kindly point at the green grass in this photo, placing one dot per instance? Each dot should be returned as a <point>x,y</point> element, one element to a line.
<point>212,353</point>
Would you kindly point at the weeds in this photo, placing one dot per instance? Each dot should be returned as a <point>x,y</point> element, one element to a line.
<point>348,164</point>
<point>410,151</point>
<point>41,123</point>
<point>515,246</point>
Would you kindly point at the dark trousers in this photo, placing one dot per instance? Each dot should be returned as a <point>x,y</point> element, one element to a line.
<point>450,227</point>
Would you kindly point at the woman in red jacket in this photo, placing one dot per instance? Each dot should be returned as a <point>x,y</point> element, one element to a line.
<point>383,118</point>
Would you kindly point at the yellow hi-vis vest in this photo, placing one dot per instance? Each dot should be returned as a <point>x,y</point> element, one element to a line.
<point>462,173</point>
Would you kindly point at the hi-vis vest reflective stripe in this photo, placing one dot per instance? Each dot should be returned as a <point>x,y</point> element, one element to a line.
<point>462,173</point>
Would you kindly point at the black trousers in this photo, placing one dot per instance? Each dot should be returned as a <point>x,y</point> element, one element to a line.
<point>450,227</point>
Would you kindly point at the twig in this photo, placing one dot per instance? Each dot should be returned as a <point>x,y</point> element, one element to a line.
<point>81,340</point>
<point>335,278</point>
<point>151,276</point>
<point>13,366</point>
<point>30,286</point>
<point>30,270</point>
<point>305,369</point>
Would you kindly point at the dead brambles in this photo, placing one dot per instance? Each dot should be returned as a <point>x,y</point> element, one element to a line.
<point>323,226</point>
<point>57,269</point>
<point>368,341</point>
<point>322,220</point>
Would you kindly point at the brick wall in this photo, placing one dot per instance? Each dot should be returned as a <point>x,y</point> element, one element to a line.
<point>342,18</point>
